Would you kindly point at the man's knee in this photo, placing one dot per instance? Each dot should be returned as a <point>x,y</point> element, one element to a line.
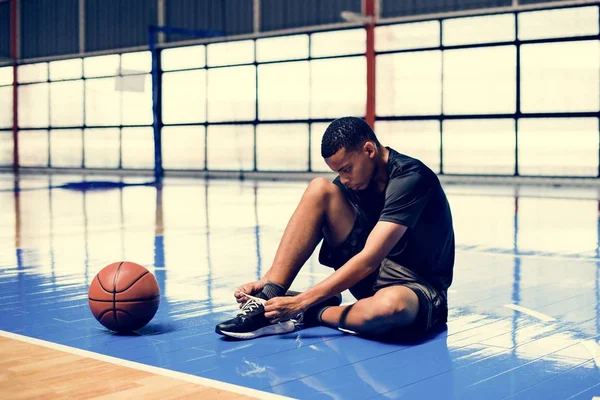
<point>322,191</point>
<point>395,306</point>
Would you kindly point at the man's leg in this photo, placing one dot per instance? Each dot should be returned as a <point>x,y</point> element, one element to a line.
<point>323,210</point>
<point>390,308</point>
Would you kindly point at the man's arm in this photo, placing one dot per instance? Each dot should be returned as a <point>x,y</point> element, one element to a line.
<point>380,242</point>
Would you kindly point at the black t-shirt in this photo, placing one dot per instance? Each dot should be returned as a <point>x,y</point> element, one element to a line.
<point>414,198</point>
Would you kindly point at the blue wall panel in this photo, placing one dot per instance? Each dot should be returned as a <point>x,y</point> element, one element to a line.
<point>112,24</point>
<point>231,17</point>
<point>4,30</point>
<point>395,8</point>
<point>281,14</point>
<point>49,27</point>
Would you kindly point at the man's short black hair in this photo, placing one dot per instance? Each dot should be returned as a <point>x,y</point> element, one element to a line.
<point>347,132</point>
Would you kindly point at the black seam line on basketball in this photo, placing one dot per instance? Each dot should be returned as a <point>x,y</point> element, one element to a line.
<point>131,315</point>
<point>128,300</point>
<point>115,292</point>
<point>132,283</point>
<point>102,286</point>
<point>104,313</point>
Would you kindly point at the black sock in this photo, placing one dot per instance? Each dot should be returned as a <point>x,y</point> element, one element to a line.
<point>271,290</point>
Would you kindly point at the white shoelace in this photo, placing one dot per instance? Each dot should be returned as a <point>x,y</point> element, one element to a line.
<point>252,304</point>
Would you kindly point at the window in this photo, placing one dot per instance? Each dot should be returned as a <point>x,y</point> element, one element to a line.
<point>6,76</point>
<point>33,106</point>
<point>183,147</point>
<point>409,84</point>
<point>338,87</point>
<point>66,147</point>
<point>231,53</point>
<point>231,147</point>
<point>407,36</point>
<point>102,147</point>
<point>136,63</point>
<point>337,43</point>
<point>567,22</point>
<point>282,48</point>
<point>101,66</point>
<point>66,103</point>
<point>560,77</point>
<point>282,147</point>
<point>33,148</point>
<point>556,146</point>
<point>102,102</point>
<point>136,92</point>
<point>183,58</point>
<point>317,163</point>
<point>137,148</point>
<point>480,81</point>
<point>6,104</point>
<point>486,29</point>
<point>284,90</point>
<point>66,69</point>
<point>418,139</point>
<point>232,94</point>
<point>6,148</point>
<point>184,97</point>
<point>479,146</point>
<point>33,73</point>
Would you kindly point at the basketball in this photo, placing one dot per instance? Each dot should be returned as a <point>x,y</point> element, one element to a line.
<point>124,296</point>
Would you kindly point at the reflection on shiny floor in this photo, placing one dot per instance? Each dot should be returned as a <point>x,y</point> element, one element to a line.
<point>519,249</point>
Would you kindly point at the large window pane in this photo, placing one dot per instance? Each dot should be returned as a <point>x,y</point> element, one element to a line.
<point>183,58</point>
<point>33,73</point>
<point>418,139</point>
<point>138,148</point>
<point>136,63</point>
<point>184,97</point>
<point>230,53</point>
<point>337,43</point>
<point>33,148</point>
<point>479,146</point>
<point>282,147</point>
<point>6,148</point>
<point>6,76</point>
<point>567,22</point>
<point>137,100</point>
<point>338,87</point>
<point>316,135</point>
<point>232,94</point>
<point>33,106</point>
<point>486,29</point>
<point>560,77</point>
<point>101,66</point>
<point>183,147</point>
<point>283,90</point>
<point>556,146</point>
<point>409,83</point>
<point>407,36</point>
<point>6,104</point>
<point>66,147</point>
<point>282,48</point>
<point>66,103</point>
<point>66,69</point>
<point>102,102</point>
<point>480,81</point>
<point>102,148</point>
<point>231,147</point>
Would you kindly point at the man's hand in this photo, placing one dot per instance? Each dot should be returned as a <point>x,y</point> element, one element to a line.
<point>284,308</point>
<point>250,288</point>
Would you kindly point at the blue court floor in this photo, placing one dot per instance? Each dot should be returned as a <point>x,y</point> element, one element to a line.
<point>524,306</point>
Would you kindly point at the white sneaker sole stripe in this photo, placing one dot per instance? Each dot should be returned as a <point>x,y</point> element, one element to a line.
<point>275,329</point>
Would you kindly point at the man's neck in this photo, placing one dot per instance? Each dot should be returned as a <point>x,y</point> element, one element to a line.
<point>381,171</point>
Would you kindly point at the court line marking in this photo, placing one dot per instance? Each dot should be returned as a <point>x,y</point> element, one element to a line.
<point>148,368</point>
<point>531,312</point>
<point>594,350</point>
<point>531,256</point>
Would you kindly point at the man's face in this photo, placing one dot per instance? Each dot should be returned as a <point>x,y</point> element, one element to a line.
<point>354,167</point>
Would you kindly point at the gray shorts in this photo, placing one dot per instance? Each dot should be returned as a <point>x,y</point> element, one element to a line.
<point>433,304</point>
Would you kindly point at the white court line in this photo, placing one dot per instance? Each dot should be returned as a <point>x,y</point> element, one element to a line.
<point>531,312</point>
<point>147,368</point>
<point>594,350</point>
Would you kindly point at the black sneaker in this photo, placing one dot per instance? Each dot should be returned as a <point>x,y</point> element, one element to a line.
<point>251,323</point>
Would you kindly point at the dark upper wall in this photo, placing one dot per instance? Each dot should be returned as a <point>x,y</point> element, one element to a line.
<point>4,30</point>
<point>51,27</point>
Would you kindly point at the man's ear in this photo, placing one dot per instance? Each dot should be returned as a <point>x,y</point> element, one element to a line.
<point>370,148</point>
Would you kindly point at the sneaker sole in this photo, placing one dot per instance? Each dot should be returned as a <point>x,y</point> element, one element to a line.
<point>275,329</point>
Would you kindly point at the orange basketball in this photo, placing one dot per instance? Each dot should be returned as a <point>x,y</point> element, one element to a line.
<point>124,296</point>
